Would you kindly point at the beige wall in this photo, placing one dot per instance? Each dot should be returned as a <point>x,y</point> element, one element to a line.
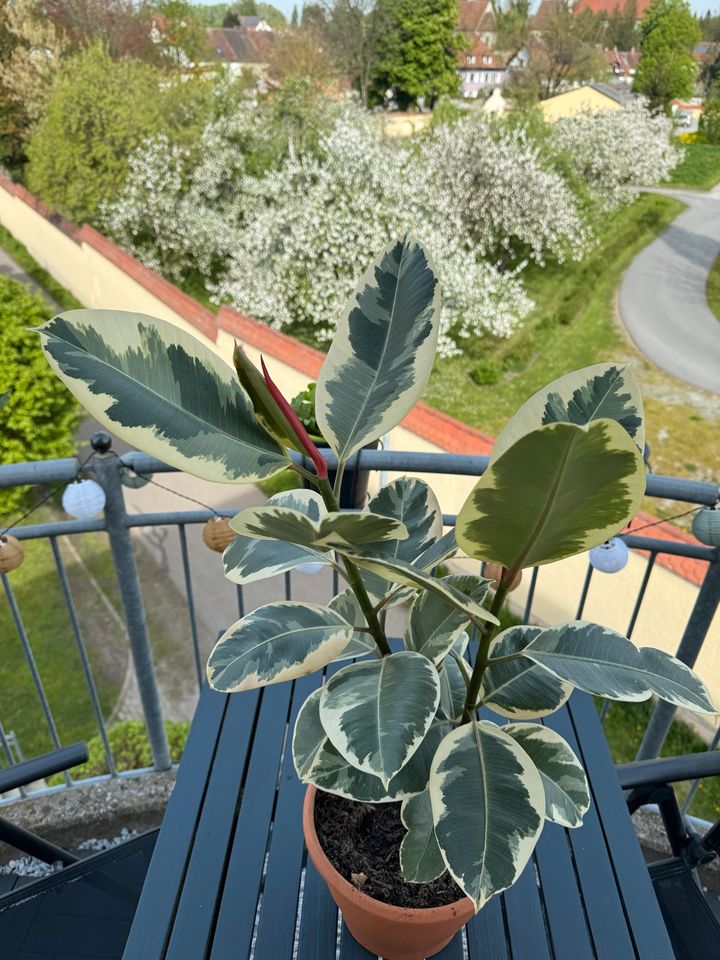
<point>572,102</point>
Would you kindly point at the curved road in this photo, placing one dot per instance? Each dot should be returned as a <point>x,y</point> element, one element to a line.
<point>662,299</point>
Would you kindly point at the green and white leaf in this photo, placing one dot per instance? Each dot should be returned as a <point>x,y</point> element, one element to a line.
<point>440,551</point>
<point>567,795</point>
<point>249,559</point>
<point>397,571</point>
<point>345,603</point>
<point>309,736</point>
<point>453,689</point>
<point>377,713</point>
<point>434,625</point>
<point>486,793</point>
<point>334,530</point>
<point>383,351</point>
<point>161,390</point>
<point>520,689</point>
<point>558,491</point>
<point>279,641</point>
<point>420,857</point>
<point>604,391</point>
<point>671,680</point>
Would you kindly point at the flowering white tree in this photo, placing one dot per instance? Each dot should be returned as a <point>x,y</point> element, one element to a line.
<point>286,246</point>
<point>617,151</point>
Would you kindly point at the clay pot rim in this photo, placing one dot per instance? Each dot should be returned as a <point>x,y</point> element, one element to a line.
<point>386,910</point>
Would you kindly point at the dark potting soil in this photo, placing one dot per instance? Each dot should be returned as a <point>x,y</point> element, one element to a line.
<point>362,841</point>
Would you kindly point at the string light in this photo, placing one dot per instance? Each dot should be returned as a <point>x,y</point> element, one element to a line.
<point>706,526</point>
<point>83,499</point>
<point>609,557</point>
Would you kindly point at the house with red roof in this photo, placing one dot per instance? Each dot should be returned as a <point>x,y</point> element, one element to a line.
<point>477,18</point>
<point>623,63</point>
<point>548,8</point>
<point>241,48</point>
<point>481,69</point>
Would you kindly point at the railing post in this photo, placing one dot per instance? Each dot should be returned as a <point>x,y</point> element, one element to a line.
<point>696,629</point>
<point>107,468</point>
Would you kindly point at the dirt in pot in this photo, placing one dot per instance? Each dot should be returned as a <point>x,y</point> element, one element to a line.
<point>362,841</point>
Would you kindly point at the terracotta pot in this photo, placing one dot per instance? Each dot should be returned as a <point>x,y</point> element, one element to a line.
<point>395,933</point>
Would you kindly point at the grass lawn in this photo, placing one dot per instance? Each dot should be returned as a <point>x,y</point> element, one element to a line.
<point>700,167</point>
<point>574,325</point>
<point>20,254</point>
<point>713,288</point>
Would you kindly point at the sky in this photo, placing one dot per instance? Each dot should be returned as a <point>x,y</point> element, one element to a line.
<point>698,6</point>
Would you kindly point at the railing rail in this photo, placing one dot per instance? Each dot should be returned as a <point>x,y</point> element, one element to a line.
<point>117,523</point>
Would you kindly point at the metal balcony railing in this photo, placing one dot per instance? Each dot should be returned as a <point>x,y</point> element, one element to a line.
<point>117,523</point>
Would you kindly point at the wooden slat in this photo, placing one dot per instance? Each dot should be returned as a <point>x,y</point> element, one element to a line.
<point>318,920</point>
<point>156,908</point>
<point>202,886</point>
<point>7,882</point>
<point>486,933</point>
<point>526,925</point>
<point>603,903</point>
<point>236,915</point>
<point>276,929</point>
<point>350,949</point>
<point>646,922</point>
<point>563,906</point>
<point>453,951</point>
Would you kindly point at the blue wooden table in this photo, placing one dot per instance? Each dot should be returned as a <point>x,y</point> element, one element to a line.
<point>229,878</point>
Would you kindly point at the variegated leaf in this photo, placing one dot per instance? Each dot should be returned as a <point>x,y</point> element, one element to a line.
<point>440,551</point>
<point>333,531</point>
<point>248,559</point>
<point>378,587</point>
<point>309,736</point>
<point>520,689</point>
<point>383,351</point>
<point>604,663</point>
<point>453,689</point>
<point>420,857</point>
<point>434,625</point>
<point>161,390</point>
<point>604,391</point>
<point>377,713</point>
<point>397,571</point>
<point>277,642</point>
<point>486,793</point>
<point>559,490</point>
<point>567,795</point>
<point>345,603</point>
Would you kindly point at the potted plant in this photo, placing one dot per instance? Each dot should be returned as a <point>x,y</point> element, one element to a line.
<point>398,746</point>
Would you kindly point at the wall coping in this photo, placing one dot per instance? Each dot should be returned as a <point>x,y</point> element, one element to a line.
<point>433,425</point>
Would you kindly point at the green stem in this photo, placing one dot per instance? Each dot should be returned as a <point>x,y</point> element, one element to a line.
<point>486,637</point>
<point>304,473</point>
<point>352,574</point>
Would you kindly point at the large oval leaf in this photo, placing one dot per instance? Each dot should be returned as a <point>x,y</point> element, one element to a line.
<point>249,559</point>
<point>345,603</point>
<point>161,390</point>
<point>434,625</point>
<point>520,689</point>
<point>604,391</point>
<point>605,663</point>
<point>567,795</point>
<point>377,713</point>
<point>453,688</point>
<point>559,490</point>
<point>420,857</point>
<point>334,530</point>
<point>412,503</point>
<point>383,351</point>
<point>487,798</point>
<point>277,642</point>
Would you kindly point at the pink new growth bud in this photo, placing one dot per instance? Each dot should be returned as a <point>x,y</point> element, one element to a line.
<point>301,433</point>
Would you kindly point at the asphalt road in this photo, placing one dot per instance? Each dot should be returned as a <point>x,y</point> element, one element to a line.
<point>662,299</point>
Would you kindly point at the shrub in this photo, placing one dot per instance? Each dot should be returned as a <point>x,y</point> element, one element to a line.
<point>710,121</point>
<point>39,417</point>
<point>486,371</point>
<point>130,747</point>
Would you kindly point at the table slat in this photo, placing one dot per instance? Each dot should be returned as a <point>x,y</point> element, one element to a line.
<point>486,933</point>
<point>563,907</point>
<point>526,924</point>
<point>318,920</point>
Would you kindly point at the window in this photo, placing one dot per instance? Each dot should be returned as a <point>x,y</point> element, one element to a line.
<point>470,59</point>
<point>487,59</point>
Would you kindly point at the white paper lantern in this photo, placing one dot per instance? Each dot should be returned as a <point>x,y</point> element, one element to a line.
<point>609,557</point>
<point>83,499</point>
<point>312,566</point>
<point>706,526</point>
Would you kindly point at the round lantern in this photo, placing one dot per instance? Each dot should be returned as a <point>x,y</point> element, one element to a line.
<point>609,557</point>
<point>494,572</point>
<point>83,499</point>
<point>706,526</point>
<point>11,553</point>
<point>217,534</point>
<point>312,566</point>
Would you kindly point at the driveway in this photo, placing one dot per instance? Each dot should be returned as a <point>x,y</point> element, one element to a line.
<point>662,299</point>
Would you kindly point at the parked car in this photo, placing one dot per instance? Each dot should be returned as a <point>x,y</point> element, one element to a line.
<point>682,118</point>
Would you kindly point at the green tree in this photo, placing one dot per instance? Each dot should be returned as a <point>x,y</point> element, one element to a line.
<point>276,18</point>
<point>243,8</point>
<point>354,29</point>
<point>667,70</point>
<point>417,52</point>
<point>210,14</point>
<point>710,120</point>
<point>621,31</point>
<point>39,416</point>
<point>182,37</point>
<point>294,17</point>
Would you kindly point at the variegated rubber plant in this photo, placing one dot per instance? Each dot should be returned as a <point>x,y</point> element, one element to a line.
<point>446,722</point>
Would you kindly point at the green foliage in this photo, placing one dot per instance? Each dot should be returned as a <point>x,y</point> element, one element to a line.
<point>710,120</point>
<point>417,51</point>
<point>210,14</point>
<point>667,70</point>
<point>130,747</point>
<point>700,167</point>
<point>38,420</point>
<point>486,372</point>
<point>713,288</point>
<point>304,406</point>
<point>622,32</point>
<point>276,18</point>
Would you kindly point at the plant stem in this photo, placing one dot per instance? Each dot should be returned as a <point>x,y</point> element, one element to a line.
<point>354,579</point>
<point>488,631</point>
